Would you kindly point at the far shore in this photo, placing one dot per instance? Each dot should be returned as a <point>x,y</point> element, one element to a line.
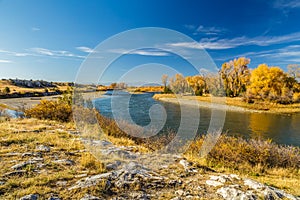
<point>229,104</point>
<point>204,104</point>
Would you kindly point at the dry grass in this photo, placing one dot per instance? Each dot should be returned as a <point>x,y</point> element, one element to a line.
<point>22,90</point>
<point>20,136</point>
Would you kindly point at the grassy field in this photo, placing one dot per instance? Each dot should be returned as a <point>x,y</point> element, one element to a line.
<point>237,101</point>
<point>19,137</point>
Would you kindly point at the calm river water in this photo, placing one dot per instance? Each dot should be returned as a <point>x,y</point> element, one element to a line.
<point>282,129</point>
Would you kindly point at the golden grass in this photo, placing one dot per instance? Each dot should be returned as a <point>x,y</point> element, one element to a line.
<point>20,136</point>
<point>22,90</point>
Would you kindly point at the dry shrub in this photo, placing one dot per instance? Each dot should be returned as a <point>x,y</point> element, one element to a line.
<point>53,110</point>
<point>239,153</point>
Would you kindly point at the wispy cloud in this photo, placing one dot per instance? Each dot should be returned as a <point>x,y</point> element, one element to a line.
<point>42,52</point>
<point>190,26</point>
<point>212,30</point>
<point>85,49</point>
<point>286,54</point>
<point>5,61</point>
<point>12,53</point>
<point>35,29</point>
<point>217,44</point>
<point>143,52</point>
<point>286,4</point>
<point>54,53</point>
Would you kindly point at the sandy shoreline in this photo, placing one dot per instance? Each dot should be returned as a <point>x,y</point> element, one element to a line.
<point>209,105</point>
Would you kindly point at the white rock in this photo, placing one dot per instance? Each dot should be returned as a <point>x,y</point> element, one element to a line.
<point>214,183</point>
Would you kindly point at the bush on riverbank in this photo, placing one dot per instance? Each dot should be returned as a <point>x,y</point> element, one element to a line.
<point>241,154</point>
<point>60,110</point>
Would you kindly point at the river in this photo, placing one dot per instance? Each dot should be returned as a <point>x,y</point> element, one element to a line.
<point>282,129</point>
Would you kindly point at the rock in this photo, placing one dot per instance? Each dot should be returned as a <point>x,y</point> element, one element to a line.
<point>37,154</point>
<point>179,192</point>
<point>15,173</point>
<point>130,174</point>
<point>221,178</point>
<point>89,197</point>
<point>2,182</point>
<point>91,181</point>
<point>254,184</point>
<point>81,176</point>
<point>61,183</point>
<point>214,183</point>
<point>114,165</point>
<point>187,166</point>
<point>269,193</point>
<point>118,152</point>
<point>43,148</point>
<point>65,162</point>
<point>30,197</point>
<point>230,192</point>
<point>23,164</point>
<point>54,198</point>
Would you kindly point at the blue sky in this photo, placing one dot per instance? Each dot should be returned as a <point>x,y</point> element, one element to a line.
<point>50,39</point>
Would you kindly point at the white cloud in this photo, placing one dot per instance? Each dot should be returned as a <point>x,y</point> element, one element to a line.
<point>35,29</point>
<point>286,4</point>
<point>5,61</point>
<point>85,49</point>
<point>217,44</point>
<point>212,30</point>
<point>144,52</point>
<point>12,53</point>
<point>53,53</point>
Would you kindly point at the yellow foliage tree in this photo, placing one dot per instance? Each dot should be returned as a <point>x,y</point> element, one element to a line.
<point>270,83</point>
<point>235,75</point>
<point>197,83</point>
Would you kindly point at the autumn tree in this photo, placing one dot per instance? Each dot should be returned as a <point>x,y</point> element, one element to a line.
<point>294,70</point>
<point>164,80</point>
<point>270,83</point>
<point>214,84</point>
<point>235,75</point>
<point>197,83</point>
<point>178,84</point>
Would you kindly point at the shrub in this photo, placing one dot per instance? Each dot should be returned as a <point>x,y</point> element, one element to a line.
<point>296,97</point>
<point>53,110</point>
<point>238,153</point>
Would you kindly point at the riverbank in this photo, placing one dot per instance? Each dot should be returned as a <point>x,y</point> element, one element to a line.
<point>37,163</point>
<point>230,104</point>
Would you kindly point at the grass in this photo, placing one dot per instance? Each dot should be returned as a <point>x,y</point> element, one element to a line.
<point>20,136</point>
<point>238,101</point>
<point>22,90</point>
